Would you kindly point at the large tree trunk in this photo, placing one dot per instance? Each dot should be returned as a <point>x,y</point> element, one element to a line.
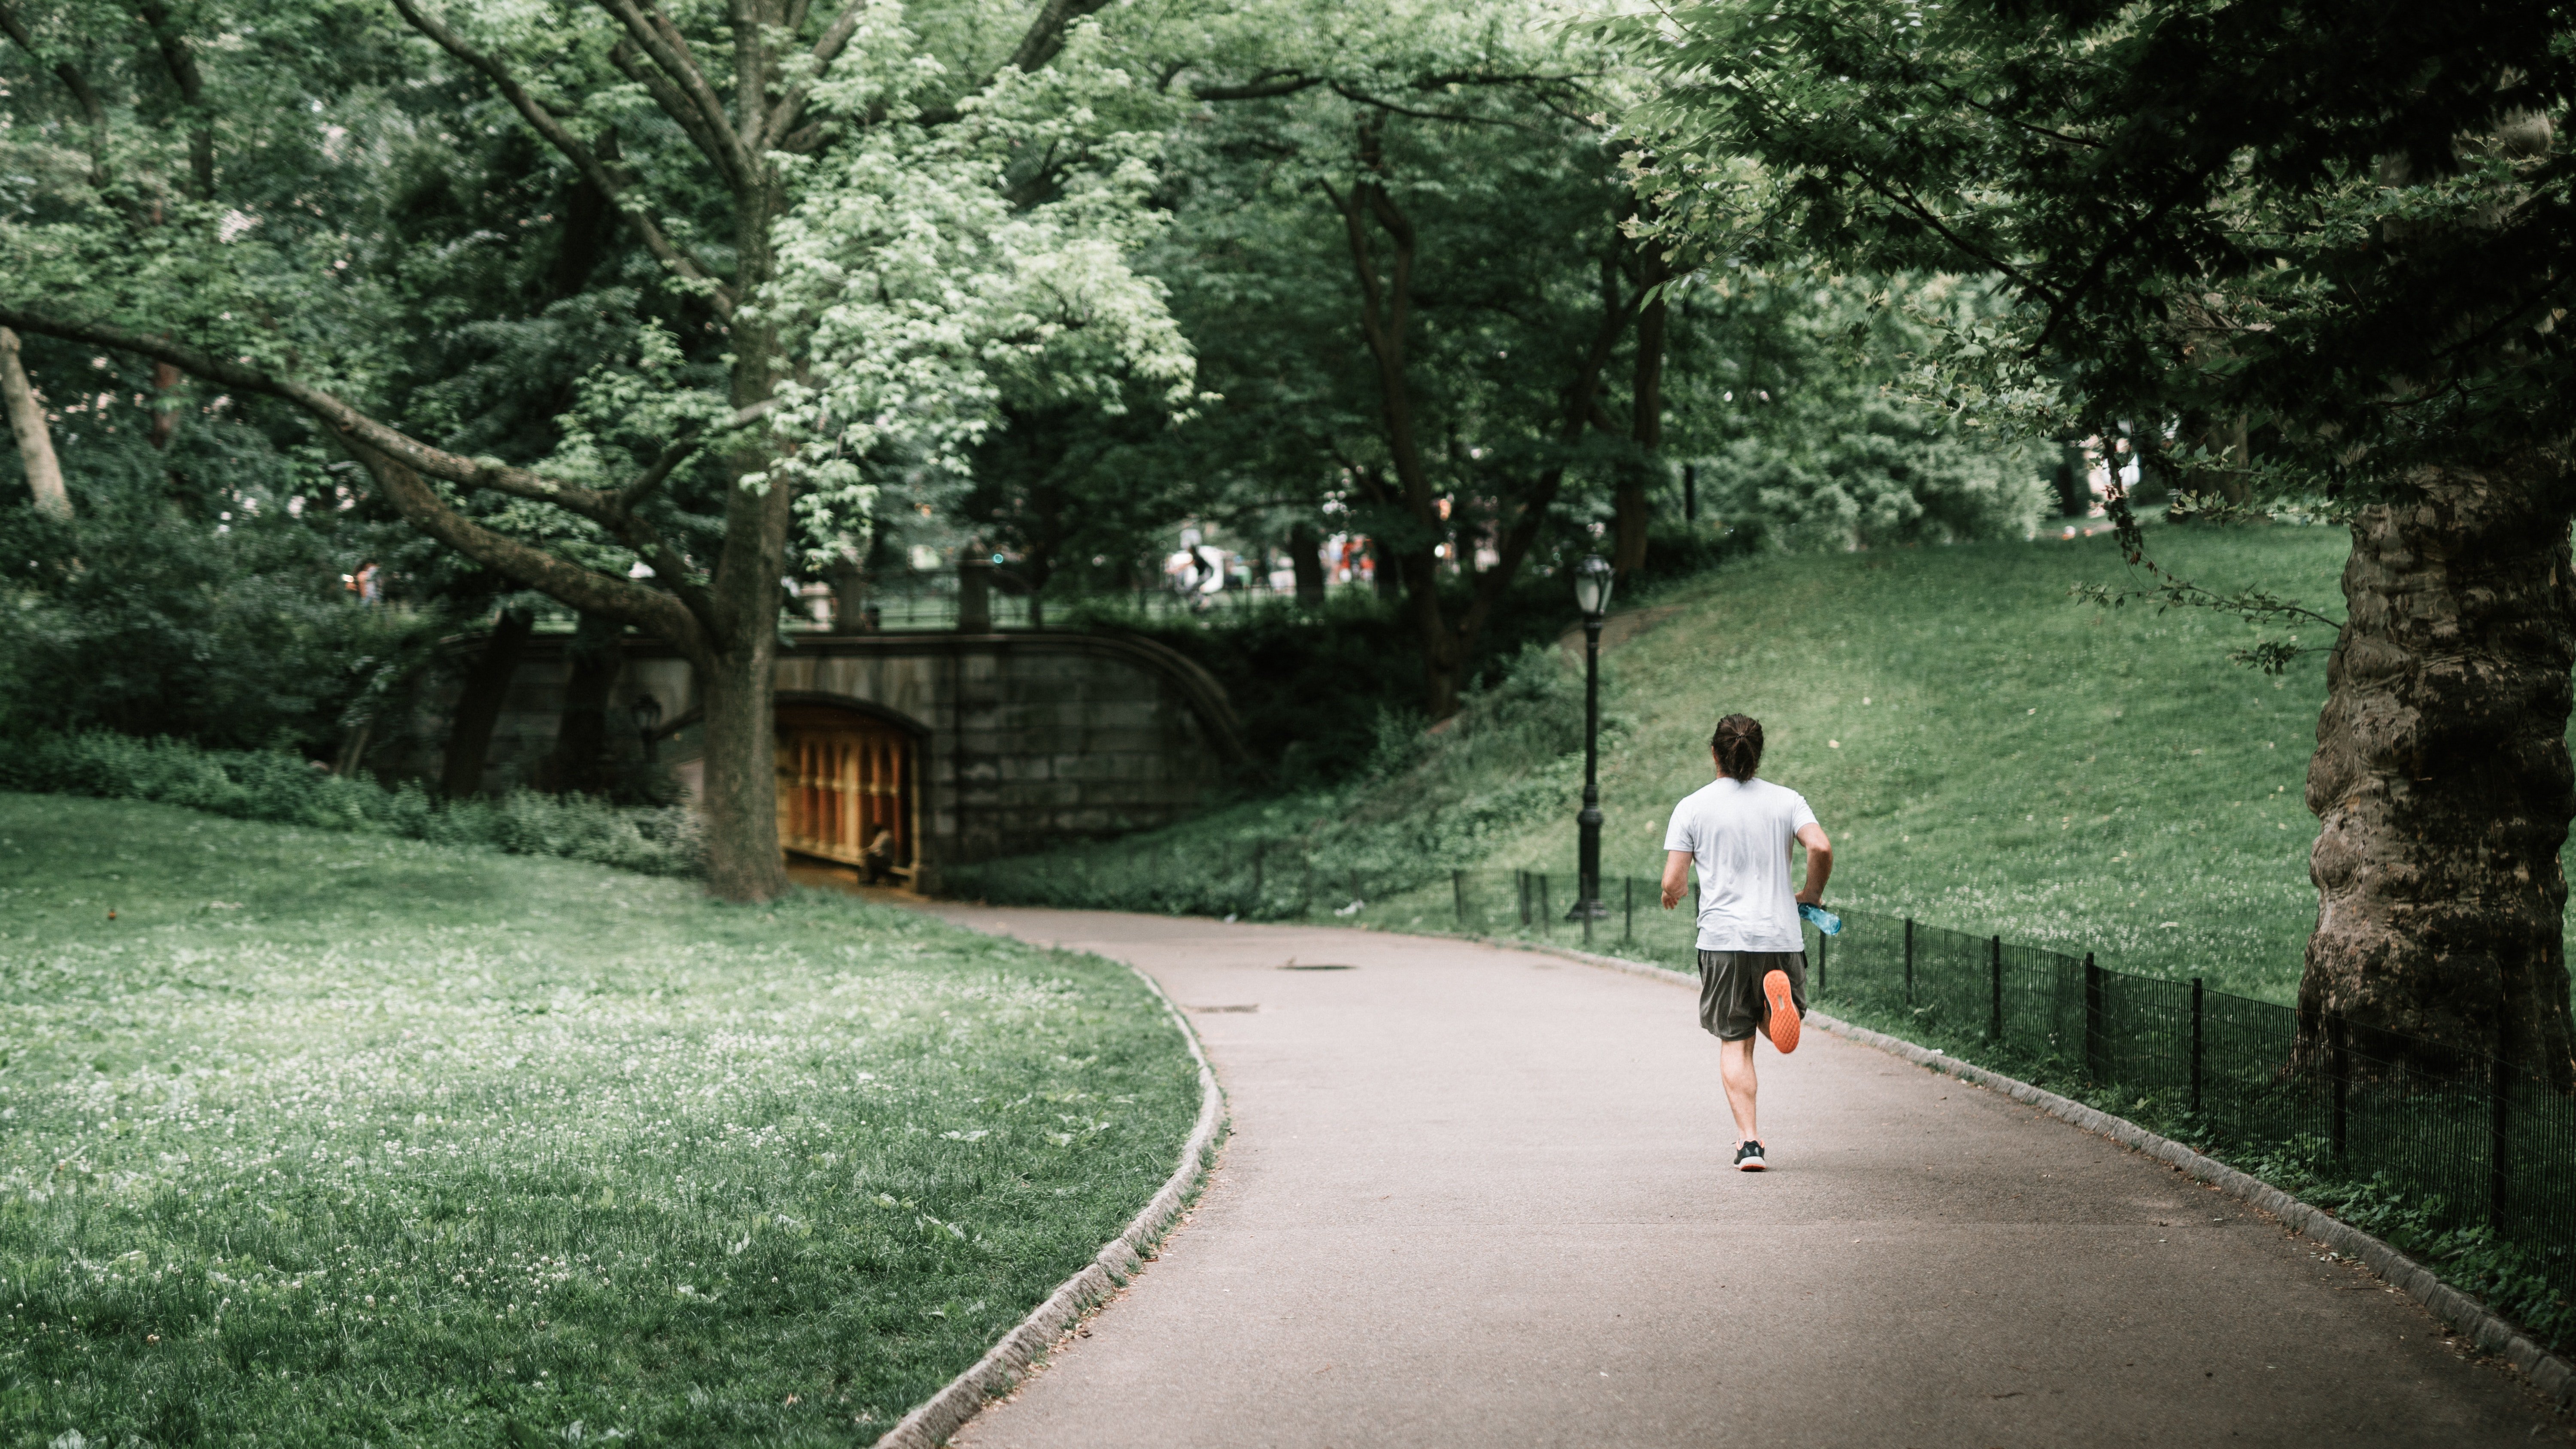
<point>478,705</point>
<point>1632,509</point>
<point>1306,560</point>
<point>2442,777</point>
<point>1386,570</point>
<point>738,680</point>
<point>35,440</point>
<point>741,793</point>
<point>1443,645</point>
<point>578,765</point>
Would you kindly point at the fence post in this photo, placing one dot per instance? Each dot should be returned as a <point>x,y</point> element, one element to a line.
<point>1995,1023</point>
<point>1306,885</point>
<point>2499,1159</point>
<point>1520,878</point>
<point>1821,938</point>
<point>1909,960</point>
<point>2095,1049</point>
<point>1458,889</point>
<point>1355,887</point>
<point>2339,1074</point>
<point>1628,891</point>
<point>2195,1046</point>
<point>1546,914</point>
<point>1259,849</point>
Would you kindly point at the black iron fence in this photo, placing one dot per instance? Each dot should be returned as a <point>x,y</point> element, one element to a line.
<point>2475,1141</point>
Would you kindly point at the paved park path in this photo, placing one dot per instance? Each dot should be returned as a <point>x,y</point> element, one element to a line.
<point>1481,1197</point>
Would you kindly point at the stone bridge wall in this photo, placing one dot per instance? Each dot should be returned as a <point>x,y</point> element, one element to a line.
<point>1026,738</point>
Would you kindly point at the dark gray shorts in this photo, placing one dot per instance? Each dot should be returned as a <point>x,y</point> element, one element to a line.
<point>1730,989</point>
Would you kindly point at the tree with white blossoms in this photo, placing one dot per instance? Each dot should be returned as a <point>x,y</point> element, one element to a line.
<point>890,220</point>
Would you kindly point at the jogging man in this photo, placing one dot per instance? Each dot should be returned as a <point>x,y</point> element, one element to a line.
<point>1752,958</point>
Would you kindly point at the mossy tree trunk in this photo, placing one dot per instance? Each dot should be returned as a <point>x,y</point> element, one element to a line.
<point>35,439</point>
<point>2442,777</point>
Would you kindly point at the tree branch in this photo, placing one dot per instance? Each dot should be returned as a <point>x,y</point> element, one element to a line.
<point>1045,35</point>
<point>783,116</point>
<point>750,73</point>
<point>588,590</point>
<point>631,63</point>
<point>1984,259</point>
<point>192,92</point>
<point>663,42</point>
<point>367,438</point>
<point>339,415</point>
<point>1259,88</point>
<point>581,156</point>
<point>1360,97</point>
<point>93,110</point>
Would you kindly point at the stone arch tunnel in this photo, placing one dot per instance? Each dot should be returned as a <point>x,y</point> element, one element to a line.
<point>960,745</point>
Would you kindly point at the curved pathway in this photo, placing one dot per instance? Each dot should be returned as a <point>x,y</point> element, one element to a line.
<point>1481,1197</point>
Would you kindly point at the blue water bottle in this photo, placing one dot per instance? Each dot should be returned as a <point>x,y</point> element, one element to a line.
<point>1826,921</point>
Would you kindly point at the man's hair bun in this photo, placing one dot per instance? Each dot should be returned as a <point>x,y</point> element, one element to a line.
<point>1738,743</point>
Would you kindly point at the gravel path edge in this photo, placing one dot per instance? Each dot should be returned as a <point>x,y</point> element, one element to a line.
<point>947,1411</point>
<point>2490,1332</point>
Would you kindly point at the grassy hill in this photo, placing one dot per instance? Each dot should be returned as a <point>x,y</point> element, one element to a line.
<point>1989,754</point>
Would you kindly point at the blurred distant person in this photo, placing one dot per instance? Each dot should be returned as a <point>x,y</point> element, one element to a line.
<point>1752,957</point>
<point>880,854</point>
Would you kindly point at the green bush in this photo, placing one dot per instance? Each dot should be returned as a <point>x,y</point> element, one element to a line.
<point>197,594</point>
<point>275,786</point>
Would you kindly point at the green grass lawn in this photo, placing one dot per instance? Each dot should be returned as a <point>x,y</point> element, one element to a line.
<point>334,1139</point>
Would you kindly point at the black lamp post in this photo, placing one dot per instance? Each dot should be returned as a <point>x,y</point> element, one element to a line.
<point>1592,579</point>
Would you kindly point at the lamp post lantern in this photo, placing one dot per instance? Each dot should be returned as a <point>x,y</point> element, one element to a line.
<point>1592,579</point>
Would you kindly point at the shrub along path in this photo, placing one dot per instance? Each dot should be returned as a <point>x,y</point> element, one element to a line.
<point>1476,1196</point>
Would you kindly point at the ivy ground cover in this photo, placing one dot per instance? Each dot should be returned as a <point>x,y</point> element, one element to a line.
<point>315,1138</point>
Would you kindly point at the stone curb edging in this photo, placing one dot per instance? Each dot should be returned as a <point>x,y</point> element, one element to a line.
<point>946,1412</point>
<point>2490,1332</point>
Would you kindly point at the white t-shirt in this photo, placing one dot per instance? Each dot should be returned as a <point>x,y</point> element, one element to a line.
<point>1738,834</point>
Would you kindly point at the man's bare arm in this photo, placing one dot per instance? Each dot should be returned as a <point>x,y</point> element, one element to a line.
<point>1820,863</point>
<point>1676,876</point>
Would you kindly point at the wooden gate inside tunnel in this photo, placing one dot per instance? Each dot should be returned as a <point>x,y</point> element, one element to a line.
<point>844,778</point>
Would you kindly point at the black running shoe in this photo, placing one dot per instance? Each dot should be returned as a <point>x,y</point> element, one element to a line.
<point>1748,1158</point>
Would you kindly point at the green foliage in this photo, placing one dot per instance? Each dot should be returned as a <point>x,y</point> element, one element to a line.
<point>1461,149</point>
<point>336,1138</point>
<point>2334,227</point>
<point>212,614</point>
<point>1792,395</point>
<point>1878,474</point>
<point>276,786</point>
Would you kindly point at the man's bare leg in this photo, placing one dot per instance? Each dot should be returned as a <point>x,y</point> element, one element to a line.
<point>1735,1066</point>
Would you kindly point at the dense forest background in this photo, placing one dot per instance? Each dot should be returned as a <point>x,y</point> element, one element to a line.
<point>1245,196</point>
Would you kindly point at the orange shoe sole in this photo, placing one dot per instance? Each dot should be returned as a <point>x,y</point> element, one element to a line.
<point>1783,1023</point>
